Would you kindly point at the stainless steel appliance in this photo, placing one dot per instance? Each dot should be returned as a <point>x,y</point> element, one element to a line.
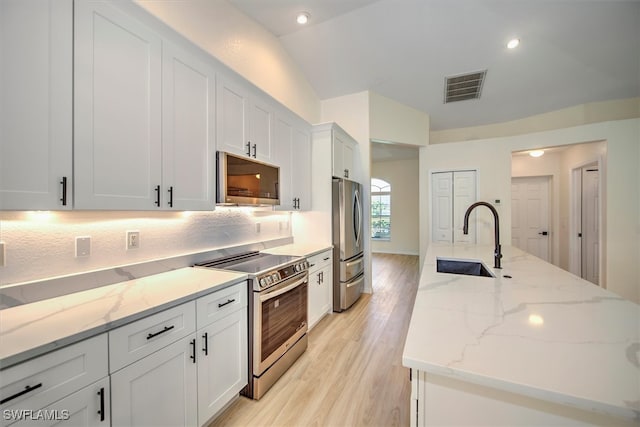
<point>348,243</point>
<point>244,181</point>
<point>278,286</point>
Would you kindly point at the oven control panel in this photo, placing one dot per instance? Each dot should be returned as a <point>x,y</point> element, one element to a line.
<point>281,274</point>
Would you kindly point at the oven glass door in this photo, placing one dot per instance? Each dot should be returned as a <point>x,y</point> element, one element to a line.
<point>282,319</point>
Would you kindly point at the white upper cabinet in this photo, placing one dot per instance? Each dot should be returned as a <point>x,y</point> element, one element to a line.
<point>36,78</point>
<point>344,148</point>
<point>189,151</point>
<point>292,152</point>
<point>144,116</point>
<point>117,111</point>
<point>245,121</point>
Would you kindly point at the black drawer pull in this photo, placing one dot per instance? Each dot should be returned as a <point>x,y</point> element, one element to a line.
<point>64,191</point>
<point>26,390</point>
<point>326,259</point>
<point>166,328</point>
<point>101,410</point>
<point>226,303</point>
<point>193,350</point>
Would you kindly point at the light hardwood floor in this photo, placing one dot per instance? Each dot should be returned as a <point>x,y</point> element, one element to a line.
<point>351,373</point>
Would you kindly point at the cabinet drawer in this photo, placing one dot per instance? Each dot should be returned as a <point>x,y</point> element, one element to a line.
<point>145,336</point>
<point>320,260</point>
<point>39,382</point>
<point>221,303</point>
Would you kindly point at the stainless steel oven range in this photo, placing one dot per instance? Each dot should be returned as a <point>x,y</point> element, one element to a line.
<point>277,313</point>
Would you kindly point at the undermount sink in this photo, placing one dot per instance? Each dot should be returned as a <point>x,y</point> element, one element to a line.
<point>460,266</point>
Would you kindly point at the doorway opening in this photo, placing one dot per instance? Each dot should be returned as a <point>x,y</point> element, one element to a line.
<point>576,238</point>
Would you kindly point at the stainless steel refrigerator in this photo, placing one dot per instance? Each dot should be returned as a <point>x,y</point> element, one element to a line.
<point>348,243</point>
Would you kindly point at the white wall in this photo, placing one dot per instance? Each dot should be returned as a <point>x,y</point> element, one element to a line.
<point>403,176</point>
<point>392,121</point>
<point>244,46</point>
<point>41,245</point>
<point>492,159</point>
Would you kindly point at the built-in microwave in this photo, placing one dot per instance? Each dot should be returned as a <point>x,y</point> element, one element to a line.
<point>244,181</point>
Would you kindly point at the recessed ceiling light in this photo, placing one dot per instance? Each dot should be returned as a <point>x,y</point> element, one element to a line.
<point>536,153</point>
<point>302,18</point>
<point>513,43</point>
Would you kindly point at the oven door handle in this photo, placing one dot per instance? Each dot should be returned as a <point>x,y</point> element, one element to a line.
<point>286,289</point>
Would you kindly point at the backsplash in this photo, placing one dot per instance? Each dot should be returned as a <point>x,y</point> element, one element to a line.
<point>42,245</point>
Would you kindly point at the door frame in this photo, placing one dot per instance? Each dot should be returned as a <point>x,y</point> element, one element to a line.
<point>575,219</point>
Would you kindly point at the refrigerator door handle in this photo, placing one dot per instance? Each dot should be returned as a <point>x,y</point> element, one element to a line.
<point>357,214</point>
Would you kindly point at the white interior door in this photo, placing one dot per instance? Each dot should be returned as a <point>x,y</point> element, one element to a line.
<point>530,215</point>
<point>464,195</point>
<point>590,222</point>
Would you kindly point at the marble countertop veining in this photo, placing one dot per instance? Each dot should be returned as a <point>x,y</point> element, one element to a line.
<point>29,330</point>
<point>544,333</point>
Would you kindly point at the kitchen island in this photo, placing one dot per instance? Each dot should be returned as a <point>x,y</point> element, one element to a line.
<point>534,345</point>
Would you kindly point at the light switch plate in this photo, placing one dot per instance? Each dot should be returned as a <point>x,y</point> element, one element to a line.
<point>2,254</point>
<point>83,246</point>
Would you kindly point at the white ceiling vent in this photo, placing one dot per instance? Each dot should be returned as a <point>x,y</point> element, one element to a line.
<point>464,86</point>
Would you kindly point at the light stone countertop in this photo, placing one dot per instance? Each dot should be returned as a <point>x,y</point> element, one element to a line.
<point>299,249</point>
<point>544,333</point>
<point>29,330</point>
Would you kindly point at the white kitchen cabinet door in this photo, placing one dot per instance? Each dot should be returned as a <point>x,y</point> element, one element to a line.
<point>222,363</point>
<point>84,408</point>
<point>343,155</point>
<point>189,151</point>
<point>301,167</point>
<point>283,157</point>
<point>159,390</point>
<point>232,103</point>
<point>261,122</point>
<point>320,286</point>
<point>117,110</point>
<point>36,58</point>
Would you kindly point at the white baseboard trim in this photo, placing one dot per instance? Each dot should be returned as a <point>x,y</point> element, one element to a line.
<point>394,252</point>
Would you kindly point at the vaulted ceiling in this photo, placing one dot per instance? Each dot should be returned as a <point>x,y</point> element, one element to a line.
<point>571,52</point>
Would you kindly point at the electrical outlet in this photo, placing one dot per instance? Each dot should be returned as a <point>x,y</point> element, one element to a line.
<point>133,240</point>
<point>257,227</point>
<point>3,255</point>
<point>83,246</point>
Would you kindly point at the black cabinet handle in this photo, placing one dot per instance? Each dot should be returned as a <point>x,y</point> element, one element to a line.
<point>226,303</point>
<point>166,328</point>
<point>254,150</point>
<point>544,233</point>
<point>26,390</point>
<point>322,277</point>
<point>64,191</point>
<point>318,274</point>
<point>193,350</point>
<point>346,173</point>
<point>206,343</point>
<point>101,410</point>
<point>248,148</point>
<point>326,259</point>
<point>157,202</point>
<point>171,196</point>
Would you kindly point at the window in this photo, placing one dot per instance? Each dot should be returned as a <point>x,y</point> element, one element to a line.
<point>380,209</point>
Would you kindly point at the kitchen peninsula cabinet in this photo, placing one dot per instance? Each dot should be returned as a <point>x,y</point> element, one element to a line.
<point>36,103</point>
<point>144,112</point>
<point>245,120</point>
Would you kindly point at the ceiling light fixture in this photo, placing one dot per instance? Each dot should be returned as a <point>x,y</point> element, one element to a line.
<point>303,18</point>
<point>536,153</point>
<point>513,43</point>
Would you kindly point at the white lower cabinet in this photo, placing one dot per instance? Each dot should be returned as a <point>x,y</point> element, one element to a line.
<point>320,286</point>
<point>38,390</point>
<point>190,378</point>
<point>222,363</point>
<point>158,390</point>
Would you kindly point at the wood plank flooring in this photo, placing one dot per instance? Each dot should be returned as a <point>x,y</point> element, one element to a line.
<point>351,373</point>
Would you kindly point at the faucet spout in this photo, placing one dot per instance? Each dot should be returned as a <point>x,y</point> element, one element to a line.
<point>497,254</point>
